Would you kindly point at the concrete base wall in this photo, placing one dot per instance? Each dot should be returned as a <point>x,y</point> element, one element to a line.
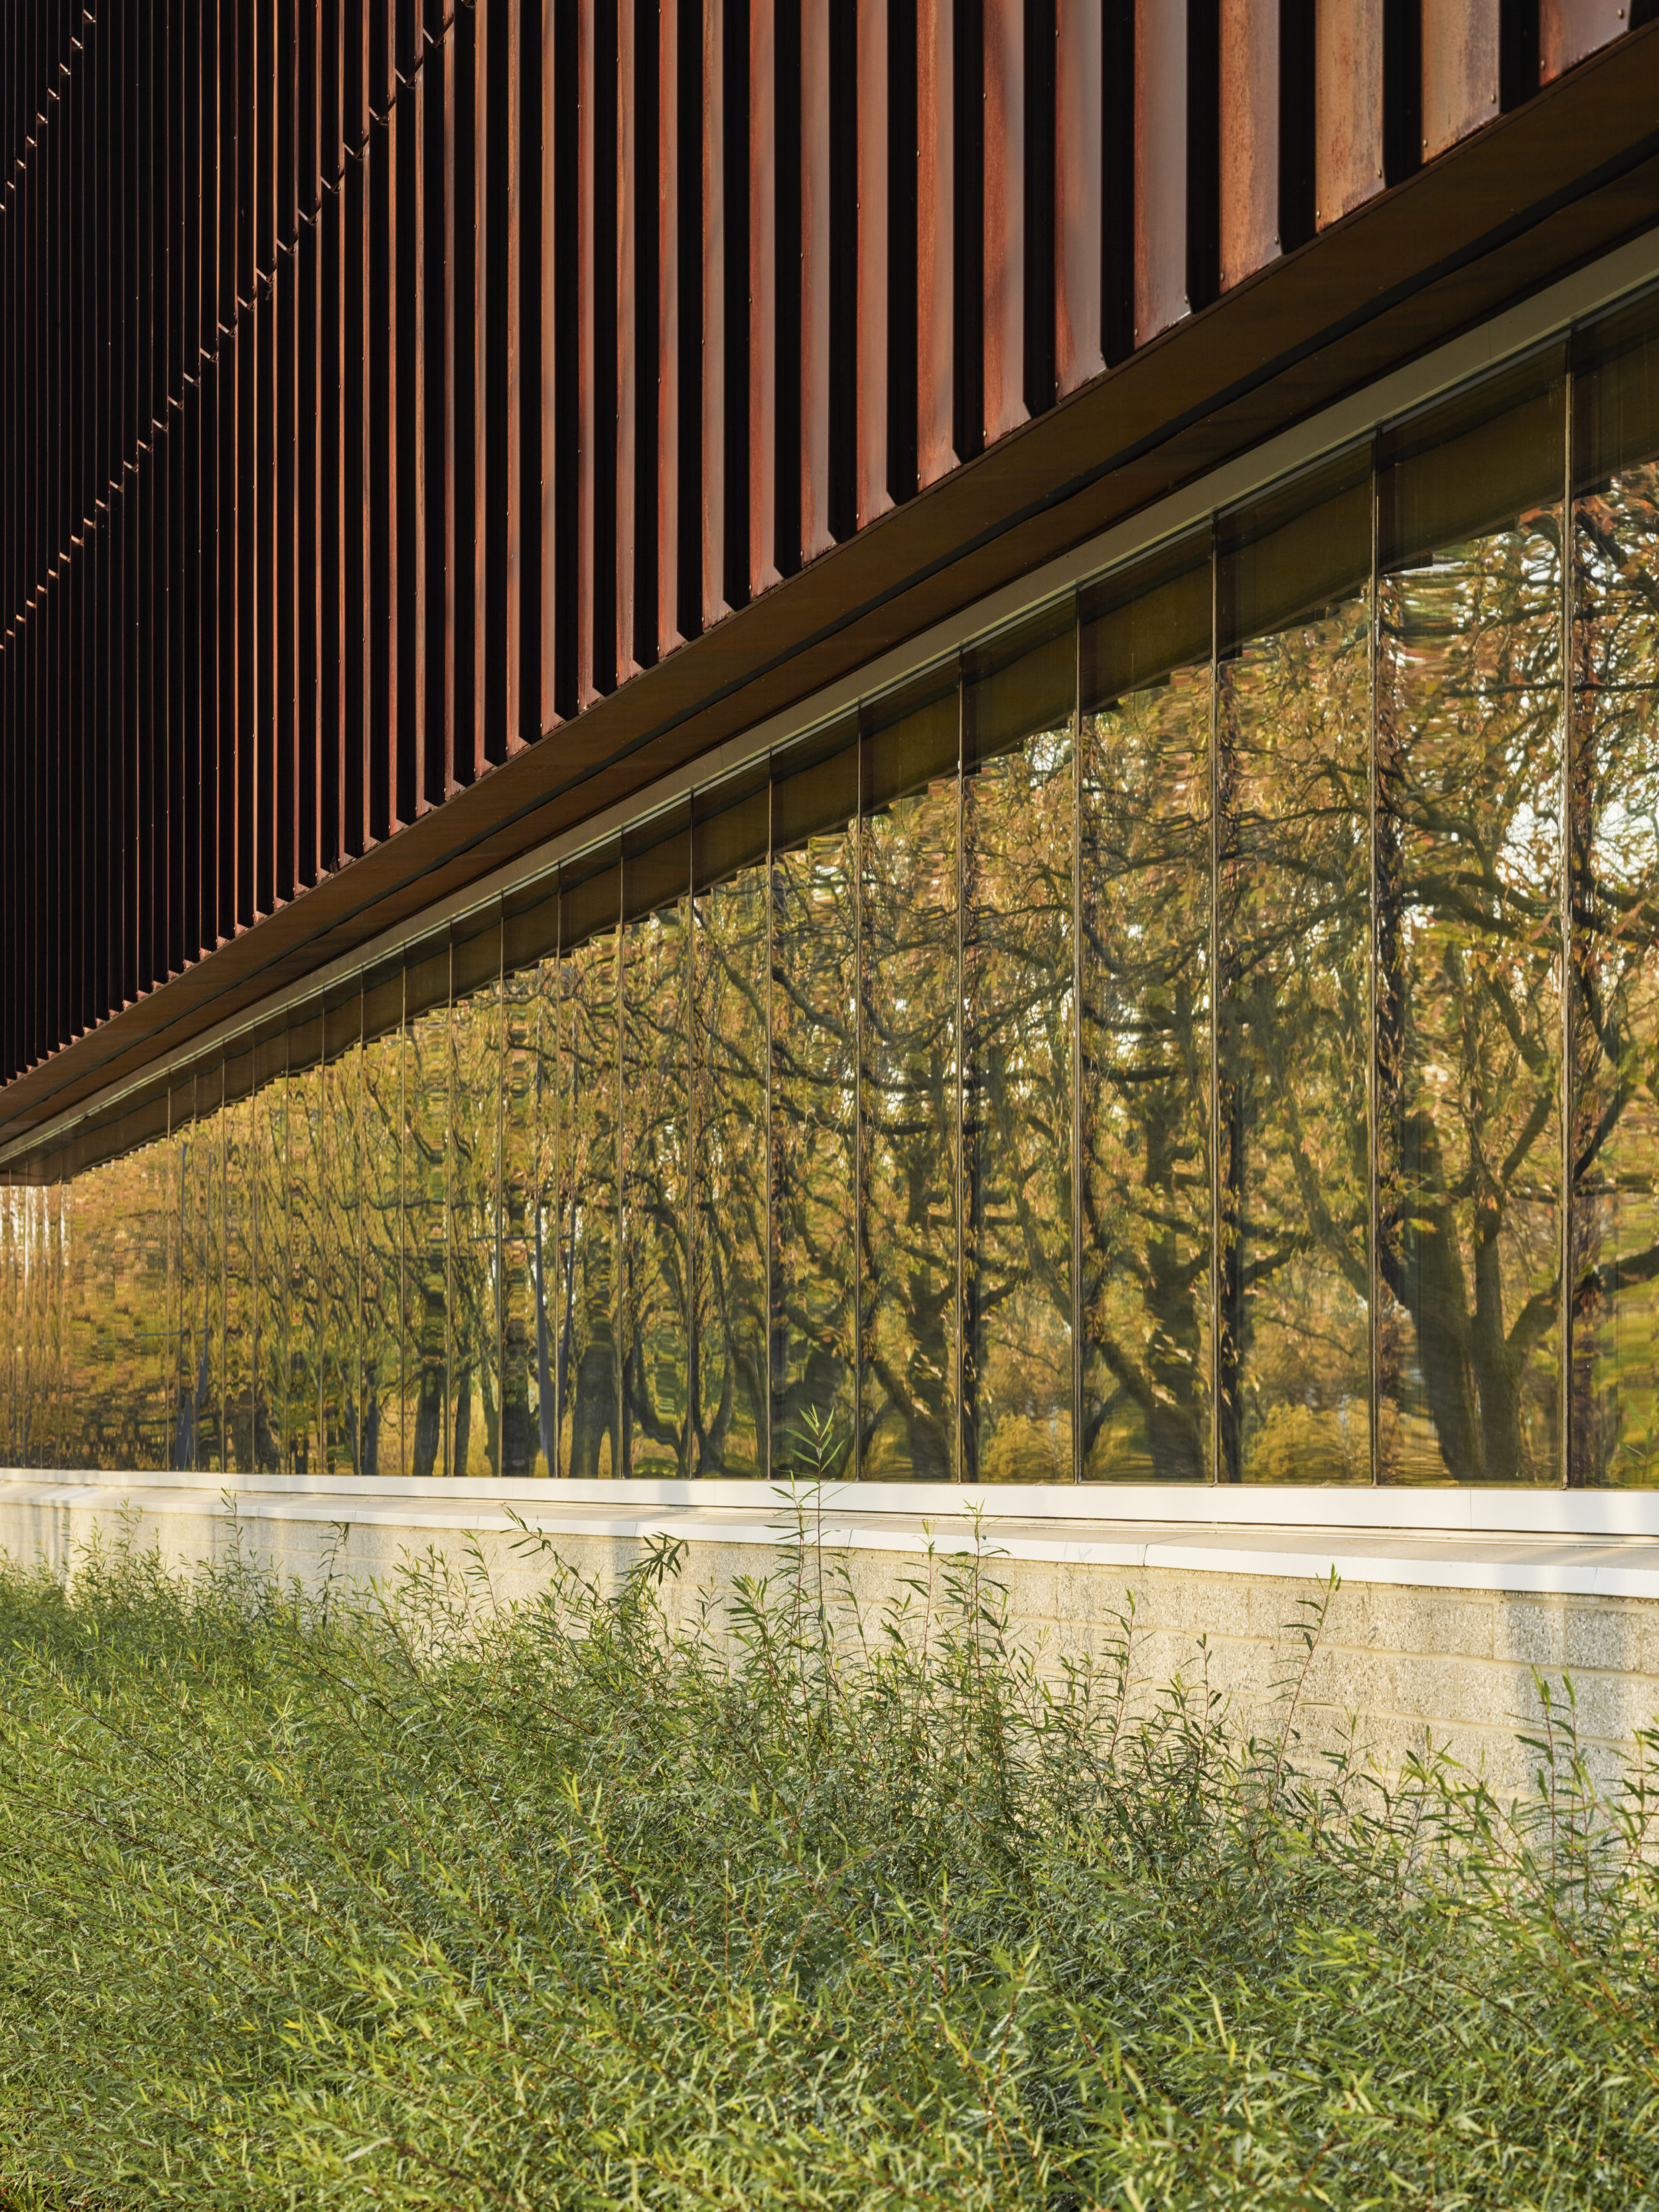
<point>1402,1658</point>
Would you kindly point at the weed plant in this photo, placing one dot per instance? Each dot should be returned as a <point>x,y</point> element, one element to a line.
<point>603,1900</point>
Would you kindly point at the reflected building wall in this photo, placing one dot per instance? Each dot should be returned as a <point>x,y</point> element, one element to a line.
<point>1207,1030</point>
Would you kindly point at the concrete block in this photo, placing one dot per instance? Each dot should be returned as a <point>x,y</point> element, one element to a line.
<point>1606,1633</point>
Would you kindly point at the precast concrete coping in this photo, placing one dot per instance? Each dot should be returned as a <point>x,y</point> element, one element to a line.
<point>1562,1543</point>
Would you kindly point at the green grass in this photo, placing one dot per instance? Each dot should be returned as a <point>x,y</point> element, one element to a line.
<point>319,1901</point>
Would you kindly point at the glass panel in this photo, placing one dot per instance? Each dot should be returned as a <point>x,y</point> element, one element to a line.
<point>240,1174</point>
<point>13,1200</point>
<point>271,1270</point>
<point>526,1341</point>
<point>89,1217</point>
<point>308,1245</point>
<point>1293,723</point>
<point>589,1445</point>
<point>194,1433</point>
<point>474,1267</point>
<point>340,1090</point>
<point>909,1257</point>
<point>655,1183</point>
<point>729,1165</point>
<point>814,1148</point>
<point>427,1076</point>
<point>11,1195</point>
<point>380,1195</point>
<point>210,1134</point>
<point>50,1369</point>
<point>1018,820</point>
<point>1144,1260</point>
<point>1615,865</point>
<point>1468,741</point>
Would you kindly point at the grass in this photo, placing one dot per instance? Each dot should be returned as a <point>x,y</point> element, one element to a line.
<point>330,1900</point>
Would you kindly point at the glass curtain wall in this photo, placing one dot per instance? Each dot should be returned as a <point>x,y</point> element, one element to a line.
<point>1469,771</point>
<point>732,907</point>
<point>1019,1021</point>
<point>1208,1031</point>
<point>1293,698</point>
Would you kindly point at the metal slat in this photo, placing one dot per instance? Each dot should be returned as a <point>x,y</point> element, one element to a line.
<point>1460,69</point>
<point>1160,186</point>
<point>873,497</point>
<point>714,277</point>
<point>816,536</point>
<point>1347,106</point>
<point>1249,137</point>
<point>1005,215</point>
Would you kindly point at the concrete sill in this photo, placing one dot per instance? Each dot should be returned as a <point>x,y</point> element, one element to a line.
<point>1565,1543</point>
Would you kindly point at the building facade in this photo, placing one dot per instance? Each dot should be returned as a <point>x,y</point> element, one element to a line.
<point>936,717</point>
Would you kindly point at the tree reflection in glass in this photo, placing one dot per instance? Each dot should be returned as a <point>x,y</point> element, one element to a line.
<point>427,1077</point>
<point>728,1162</point>
<point>1292,733</point>
<point>240,1189</point>
<point>1019,821</point>
<point>656,1349</point>
<point>814,1095</point>
<point>590,1443</point>
<point>1145,1196</point>
<point>381,1200</point>
<point>908,1240</point>
<point>1615,915</point>
<point>474,1271</point>
<point>305,1186</point>
<point>520,1208</point>
<point>270,1261</point>
<point>1468,765</point>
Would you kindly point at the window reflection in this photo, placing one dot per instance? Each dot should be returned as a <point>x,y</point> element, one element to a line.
<point>426,1080</point>
<point>908,1257</point>
<point>475,1036</point>
<point>729,991</point>
<point>235,1121</point>
<point>1292,723</point>
<point>1468,763</point>
<point>271,1270</point>
<point>1138,1052</point>
<point>589,1439</point>
<point>1019,821</point>
<point>380,1200</point>
<point>337,1084</point>
<point>1614,1030</point>
<point>655,1134</point>
<point>814,1147</point>
<point>525,1344</point>
<point>1144,1192</point>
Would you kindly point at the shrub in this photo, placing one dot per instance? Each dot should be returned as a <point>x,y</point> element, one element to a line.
<point>403,1901</point>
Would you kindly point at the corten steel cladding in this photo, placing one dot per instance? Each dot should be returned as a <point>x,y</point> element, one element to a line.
<point>384,383</point>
